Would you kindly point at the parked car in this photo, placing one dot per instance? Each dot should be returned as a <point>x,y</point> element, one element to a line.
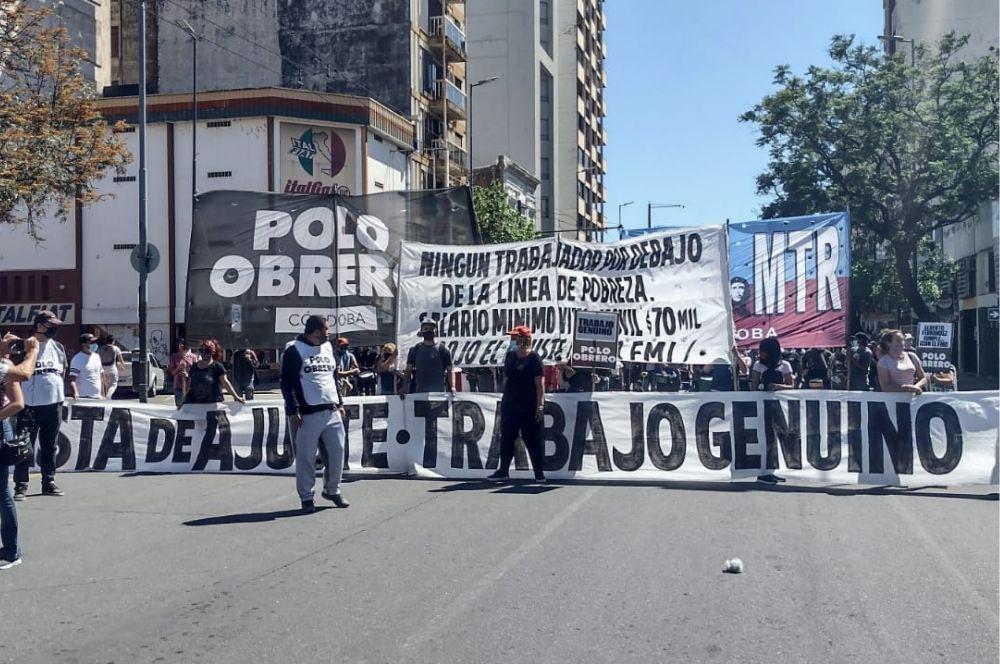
<point>156,381</point>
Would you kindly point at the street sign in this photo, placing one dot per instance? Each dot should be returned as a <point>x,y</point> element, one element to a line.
<point>993,314</point>
<point>152,258</point>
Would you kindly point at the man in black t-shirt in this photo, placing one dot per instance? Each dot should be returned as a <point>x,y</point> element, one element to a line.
<point>859,362</point>
<point>428,364</point>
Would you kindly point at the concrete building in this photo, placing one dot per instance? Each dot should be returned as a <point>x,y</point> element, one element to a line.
<point>520,185</point>
<point>974,243</point>
<point>248,140</point>
<point>407,54</point>
<point>547,110</point>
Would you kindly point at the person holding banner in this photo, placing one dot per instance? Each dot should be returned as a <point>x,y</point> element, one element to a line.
<point>315,407</point>
<point>429,363</point>
<point>206,378</point>
<point>771,372</point>
<point>898,369</point>
<point>522,407</point>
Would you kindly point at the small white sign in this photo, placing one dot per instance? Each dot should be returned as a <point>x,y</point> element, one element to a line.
<point>934,335</point>
<point>345,319</point>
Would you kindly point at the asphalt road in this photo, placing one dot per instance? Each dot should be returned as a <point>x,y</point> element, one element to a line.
<point>210,568</point>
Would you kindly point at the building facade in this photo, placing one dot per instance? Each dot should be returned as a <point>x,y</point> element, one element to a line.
<point>407,54</point>
<point>975,243</point>
<point>268,139</point>
<point>546,110</point>
<point>520,185</point>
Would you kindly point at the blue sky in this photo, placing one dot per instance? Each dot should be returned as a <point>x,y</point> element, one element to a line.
<point>679,75</point>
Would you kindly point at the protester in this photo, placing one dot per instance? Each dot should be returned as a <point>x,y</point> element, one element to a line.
<point>314,404</point>
<point>85,371</point>
<point>945,380</point>
<point>522,406</point>
<point>771,372</point>
<point>816,367</point>
<point>428,364</point>
<point>743,364</point>
<point>11,403</point>
<point>245,364</point>
<point>44,393</point>
<point>206,378</point>
<point>347,366</point>
<point>578,379</point>
<point>178,362</point>
<point>908,343</point>
<point>898,369</point>
<point>860,361</point>
<point>112,364</point>
<point>385,368</point>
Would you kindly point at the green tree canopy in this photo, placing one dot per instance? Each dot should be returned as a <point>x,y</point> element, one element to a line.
<point>907,149</point>
<point>498,221</point>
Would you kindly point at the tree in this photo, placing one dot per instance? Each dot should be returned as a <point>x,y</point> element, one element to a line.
<point>498,221</point>
<point>54,144</point>
<point>907,149</point>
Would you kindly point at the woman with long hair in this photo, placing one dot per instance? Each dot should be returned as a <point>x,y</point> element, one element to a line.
<point>899,370</point>
<point>522,406</point>
<point>206,378</point>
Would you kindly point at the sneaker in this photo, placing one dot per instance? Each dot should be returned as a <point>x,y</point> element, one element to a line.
<point>308,507</point>
<point>7,563</point>
<point>52,490</point>
<point>540,479</point>
<point>336,499</point>
<point>498,477</point>
<point>770,478</point>
<point>20,492</point>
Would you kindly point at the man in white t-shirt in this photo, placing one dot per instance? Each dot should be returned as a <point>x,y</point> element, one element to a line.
<point>112,364</point>
<point>43,397</point>
<point>85,370</point>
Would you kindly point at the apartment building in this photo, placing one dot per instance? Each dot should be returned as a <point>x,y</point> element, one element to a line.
<point>545,110</point>
<point>409,55</point>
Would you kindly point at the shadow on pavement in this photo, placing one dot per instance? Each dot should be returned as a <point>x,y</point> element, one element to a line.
<point>924,492</point>
<point>251,517</point>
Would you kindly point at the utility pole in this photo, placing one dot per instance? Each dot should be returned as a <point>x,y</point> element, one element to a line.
<point>444,92</point>
<point>194,111</point>
<point>143,378</point>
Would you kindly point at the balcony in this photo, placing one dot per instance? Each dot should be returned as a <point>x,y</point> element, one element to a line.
<point>448,96</point>
<point>457,159</point>
<point>445,33</point>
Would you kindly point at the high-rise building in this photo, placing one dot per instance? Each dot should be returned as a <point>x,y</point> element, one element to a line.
<point>407,54</point>
<point>974,244</point>
<point>546,109</point>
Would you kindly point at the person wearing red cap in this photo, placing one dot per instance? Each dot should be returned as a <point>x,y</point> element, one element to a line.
<point>522,406</point>
<point>347,365</point>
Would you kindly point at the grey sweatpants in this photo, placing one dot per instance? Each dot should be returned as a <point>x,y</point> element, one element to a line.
<point>327,426</point>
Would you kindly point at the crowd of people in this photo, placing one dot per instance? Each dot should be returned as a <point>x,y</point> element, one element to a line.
<point>317,373</point>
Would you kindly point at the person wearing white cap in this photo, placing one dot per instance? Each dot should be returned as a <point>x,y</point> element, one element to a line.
<point>85,370</point>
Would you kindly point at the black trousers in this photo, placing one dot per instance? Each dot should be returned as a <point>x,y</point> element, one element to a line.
<point>513,423</point>
<point>44,422</point>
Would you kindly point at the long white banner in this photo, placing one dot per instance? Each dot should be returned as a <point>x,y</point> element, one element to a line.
<point>831,437</point>
<point>670,291</point>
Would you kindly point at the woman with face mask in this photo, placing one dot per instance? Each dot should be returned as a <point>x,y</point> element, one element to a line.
<point>522,406</point>
<point>206,378</point>
<point>898,369</point>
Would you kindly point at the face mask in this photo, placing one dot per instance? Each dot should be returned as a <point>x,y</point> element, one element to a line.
<point>512,345</point>
<point>429,336</point>
<point>205,354</point>
<point>51,332</point>
<point>93,348</point>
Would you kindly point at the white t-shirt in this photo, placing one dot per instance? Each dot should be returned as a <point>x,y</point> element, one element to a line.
<point>784,367</point>
<point>45,387</point>
<point>86,370</point>
<point>3,370</point>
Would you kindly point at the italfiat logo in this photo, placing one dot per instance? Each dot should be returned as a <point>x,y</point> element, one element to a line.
<point>322,149</point>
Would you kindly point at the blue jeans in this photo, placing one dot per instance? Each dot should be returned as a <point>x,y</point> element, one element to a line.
<point>9,547</point>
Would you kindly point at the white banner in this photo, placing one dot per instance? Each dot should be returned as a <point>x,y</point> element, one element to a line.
<point>670,291</point>
<point>819,436</point>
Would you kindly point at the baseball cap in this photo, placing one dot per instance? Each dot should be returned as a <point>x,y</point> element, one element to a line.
<point>428,323</point>
<point>47,318</point>
<point>521,331</point>
<point>342,341</point>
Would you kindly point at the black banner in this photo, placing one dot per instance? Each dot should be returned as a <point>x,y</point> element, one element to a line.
<point>260,263</point>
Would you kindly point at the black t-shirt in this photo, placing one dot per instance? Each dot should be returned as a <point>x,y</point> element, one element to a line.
<point>429,363</point>
<point>815,360</point>
<point>243,370</point>
<point>860,368</point>
<point>205,384</point>
<point>519,392</point>
<point>581,381</point>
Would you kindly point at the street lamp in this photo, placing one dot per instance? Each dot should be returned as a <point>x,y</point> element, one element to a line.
<point>651,206</point>
<point>194,108</point>
<point>620,206</point>
<point>472,87</point>
<point>901,40</point>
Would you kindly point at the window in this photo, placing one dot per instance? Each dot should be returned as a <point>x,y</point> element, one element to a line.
<point>544,129</point>
<point>219,123</point>
<point>991,273</point>
<point>124,130</point>
<point>220,174</point>
<point>124,178</point>
<point>124,247</point>
<point>545,174</point>
<point>115,41</point>
<point>545,206</point>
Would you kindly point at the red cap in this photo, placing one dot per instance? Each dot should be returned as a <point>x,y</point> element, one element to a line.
<point>342,341</point>
<point>521,331</point>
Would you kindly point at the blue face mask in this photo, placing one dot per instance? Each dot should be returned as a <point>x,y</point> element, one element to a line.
<point>93,348</point>
<point>512,345</point>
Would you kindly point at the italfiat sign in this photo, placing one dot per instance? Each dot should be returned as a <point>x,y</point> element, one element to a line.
<point>317,160</point>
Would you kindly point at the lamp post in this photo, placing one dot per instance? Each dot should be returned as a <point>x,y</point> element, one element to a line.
<point>194,109</point>
<point>900,40</point>
<point>620,206</point>
<point>485,81</point>
<point>143,378</point>
<point>651,206</point>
